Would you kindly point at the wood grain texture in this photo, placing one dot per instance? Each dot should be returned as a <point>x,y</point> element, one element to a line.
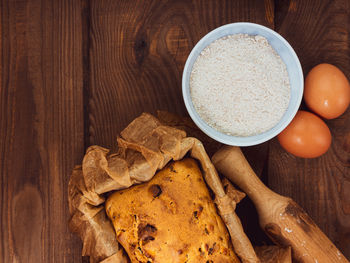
<point>138,50</point>
<point>319,32</point>
<point>74,73</point>
<point>41,128</point>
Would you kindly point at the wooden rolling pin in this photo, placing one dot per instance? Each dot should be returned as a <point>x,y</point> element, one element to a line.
<point>284,221</point>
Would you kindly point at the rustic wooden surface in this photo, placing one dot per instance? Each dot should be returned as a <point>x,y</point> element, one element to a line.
<point>74,73</point>
<point>41,127</point>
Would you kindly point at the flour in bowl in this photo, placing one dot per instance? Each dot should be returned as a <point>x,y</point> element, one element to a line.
<point>239,85</point>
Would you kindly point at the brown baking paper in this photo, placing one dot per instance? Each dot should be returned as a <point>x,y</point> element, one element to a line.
<point>226,206</point>
<point>144,146</point>
<point>274,254</point>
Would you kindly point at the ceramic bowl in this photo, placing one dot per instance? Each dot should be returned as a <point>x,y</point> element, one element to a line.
<point>287,54</point>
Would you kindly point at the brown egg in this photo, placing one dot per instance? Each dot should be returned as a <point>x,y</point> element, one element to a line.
<point>306,136</point>
<point>327,91</point>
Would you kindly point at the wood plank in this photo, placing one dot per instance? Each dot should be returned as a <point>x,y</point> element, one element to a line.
<point>319,32</point>
<point>138,50</point>
<point>41,127</point>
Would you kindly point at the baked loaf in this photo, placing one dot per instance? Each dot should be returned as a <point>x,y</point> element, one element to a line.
<point>170,219</point>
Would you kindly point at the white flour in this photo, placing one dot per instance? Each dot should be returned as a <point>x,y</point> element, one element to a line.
<point>240,86</point>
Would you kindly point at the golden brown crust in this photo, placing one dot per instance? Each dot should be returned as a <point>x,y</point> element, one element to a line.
<point>170,219</point>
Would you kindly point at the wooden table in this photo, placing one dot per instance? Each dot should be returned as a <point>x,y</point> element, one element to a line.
<point>74,73</point>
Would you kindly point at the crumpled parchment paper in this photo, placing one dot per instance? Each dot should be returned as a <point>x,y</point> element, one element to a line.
<point>144,146</point>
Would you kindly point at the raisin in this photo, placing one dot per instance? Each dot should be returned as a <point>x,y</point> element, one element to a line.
<point>147,239</point>
<point>171,167</point>
<point>196,214</point>
<point>146,231</point>
<point>155,190</point>
<point>151,228</point>
<point>211,250</point>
